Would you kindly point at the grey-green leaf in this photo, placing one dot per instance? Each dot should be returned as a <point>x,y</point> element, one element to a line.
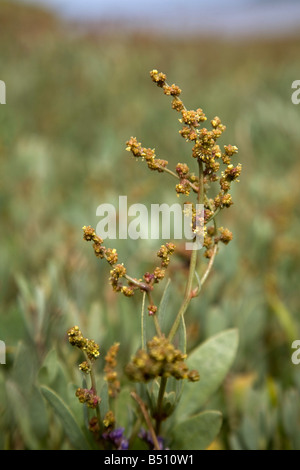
<point>197,432</point>
<point>212,359</point>
<point>70,425</point>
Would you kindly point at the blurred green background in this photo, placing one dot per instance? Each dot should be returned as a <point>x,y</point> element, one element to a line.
<point>73,99</point>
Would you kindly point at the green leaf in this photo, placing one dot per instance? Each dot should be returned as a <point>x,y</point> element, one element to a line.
<point>70,425</point>
<point>197,432</point>
<point>169,403</point>
<point>153,391</point>
<point>24,367</point>
<point>25,299</point>
<point>123,408</point>
<point>284,316</point>
<point>2,391</point>
<point>49,369</point>
<point>38,413</point>
<point>18,405</point>
<point>54,375</point>
<point>174,385</point>
<point>212,359</point>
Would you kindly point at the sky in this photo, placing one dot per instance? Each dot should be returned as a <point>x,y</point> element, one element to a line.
<point>230,17</point>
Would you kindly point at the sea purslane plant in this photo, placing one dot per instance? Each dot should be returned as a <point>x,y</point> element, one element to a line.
<point>159,360</point>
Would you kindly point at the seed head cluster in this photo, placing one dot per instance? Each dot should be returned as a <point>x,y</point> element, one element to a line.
<point>88,345</point>
<point>206,150</point>
<point>111,376</point>
<point>88,397</point>
<point>161,359</point>
<point>119,278</point>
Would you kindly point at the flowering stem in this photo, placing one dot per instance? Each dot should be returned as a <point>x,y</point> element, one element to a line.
<point>193,263</point>
<point>213,215</point>
<point>143,340</point>
<point>139,284</point>
<point>159,417</point>
<point>209,266</point>
<point>187,297</point>
<point>206,273</point>
<point>94,387</point>
<point>167,170</point>
<point>155,319</point>
<point>146,288</point>
<point>156,324</point>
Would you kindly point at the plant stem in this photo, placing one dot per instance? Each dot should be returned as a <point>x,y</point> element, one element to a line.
<point>157,326</point>
<point>209,266</point>
<point>139,284</point>
<point>155,319</point>
<point>94,387</point>
<point>143,339</point>
<point>193,263</point>
<point>206,273</point>
<point>167,170</point>
<point>159,417</point>
<point>146,288</point>
<point>187,297</point>
<point>213,215</point>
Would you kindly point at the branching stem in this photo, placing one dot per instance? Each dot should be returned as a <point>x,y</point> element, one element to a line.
<point>193,263</point>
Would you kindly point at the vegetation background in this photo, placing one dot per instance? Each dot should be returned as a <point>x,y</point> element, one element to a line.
<point>73,99</point>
